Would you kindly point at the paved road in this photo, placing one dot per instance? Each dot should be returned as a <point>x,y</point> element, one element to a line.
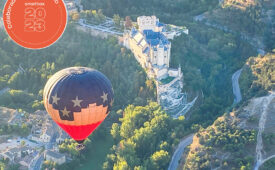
<point>236,87</point>
<point>179,151</point>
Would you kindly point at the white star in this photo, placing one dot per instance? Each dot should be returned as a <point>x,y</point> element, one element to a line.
<point>65,112</point>
<point>77,102</point>
<point>104,97</point>
<point>55,99</point>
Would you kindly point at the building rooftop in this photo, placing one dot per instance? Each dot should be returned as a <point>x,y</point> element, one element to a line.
<point>26,160</point>
<point>10,155</point>
<point>155,38</point>
<point>54,154</point>
<point>14,150</point>
<point>25,148</point>
<point>133,32</point>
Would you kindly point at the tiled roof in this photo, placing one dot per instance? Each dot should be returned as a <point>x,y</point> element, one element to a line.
<point>13,150</point>
<point>54,154</point>
<point>155,38</point>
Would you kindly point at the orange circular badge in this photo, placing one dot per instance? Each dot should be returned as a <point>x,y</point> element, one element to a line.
<point>35,24</point>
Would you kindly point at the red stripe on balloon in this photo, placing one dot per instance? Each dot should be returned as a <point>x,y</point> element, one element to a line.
<point>79,132</point>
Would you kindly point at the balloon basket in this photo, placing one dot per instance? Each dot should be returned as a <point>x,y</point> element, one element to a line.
<point>80,147</point>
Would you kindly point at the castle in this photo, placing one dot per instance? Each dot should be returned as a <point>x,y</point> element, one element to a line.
<point>151,47</point>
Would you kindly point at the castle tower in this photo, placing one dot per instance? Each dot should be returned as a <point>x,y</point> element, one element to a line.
<point>147,22</point>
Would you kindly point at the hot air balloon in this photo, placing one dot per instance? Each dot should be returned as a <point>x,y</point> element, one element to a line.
<point>78,99</point>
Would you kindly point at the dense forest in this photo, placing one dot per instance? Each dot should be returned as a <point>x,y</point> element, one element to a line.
<point>146,137</point>
<point>175,11</point>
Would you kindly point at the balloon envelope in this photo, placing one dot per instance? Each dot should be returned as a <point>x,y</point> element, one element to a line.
<point>78,99</point>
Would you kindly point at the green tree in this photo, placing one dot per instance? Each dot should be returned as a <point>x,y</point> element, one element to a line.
<point>160,159</point>
<point>117,20</point>
<point>115,132</point>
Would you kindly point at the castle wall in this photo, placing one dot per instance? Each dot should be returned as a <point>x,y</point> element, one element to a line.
<point>168,56</point>
<point>140,56</point>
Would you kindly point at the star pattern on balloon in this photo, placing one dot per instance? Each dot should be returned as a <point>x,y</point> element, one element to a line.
<point>78,99</point>
<point>66,111</point>
<point>77,102</point>
<point>55,99</point>
<point>104,97</point>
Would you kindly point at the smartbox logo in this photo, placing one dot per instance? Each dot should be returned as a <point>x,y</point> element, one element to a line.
<point>35,24</point>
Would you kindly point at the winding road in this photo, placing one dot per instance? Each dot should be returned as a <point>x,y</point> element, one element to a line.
<point>179,151</point>
<point>236,87</point>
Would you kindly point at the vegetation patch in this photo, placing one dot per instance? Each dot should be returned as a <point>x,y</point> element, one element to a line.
<point>270,164</point>
<point>224,145</point>
<point>258,76</point>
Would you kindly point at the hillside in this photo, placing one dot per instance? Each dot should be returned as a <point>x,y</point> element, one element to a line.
<point>231,142</point>
<point>244,137</point>
<point>251,19</point>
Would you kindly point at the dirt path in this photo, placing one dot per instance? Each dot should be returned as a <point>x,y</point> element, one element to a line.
<point>264,102</point>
